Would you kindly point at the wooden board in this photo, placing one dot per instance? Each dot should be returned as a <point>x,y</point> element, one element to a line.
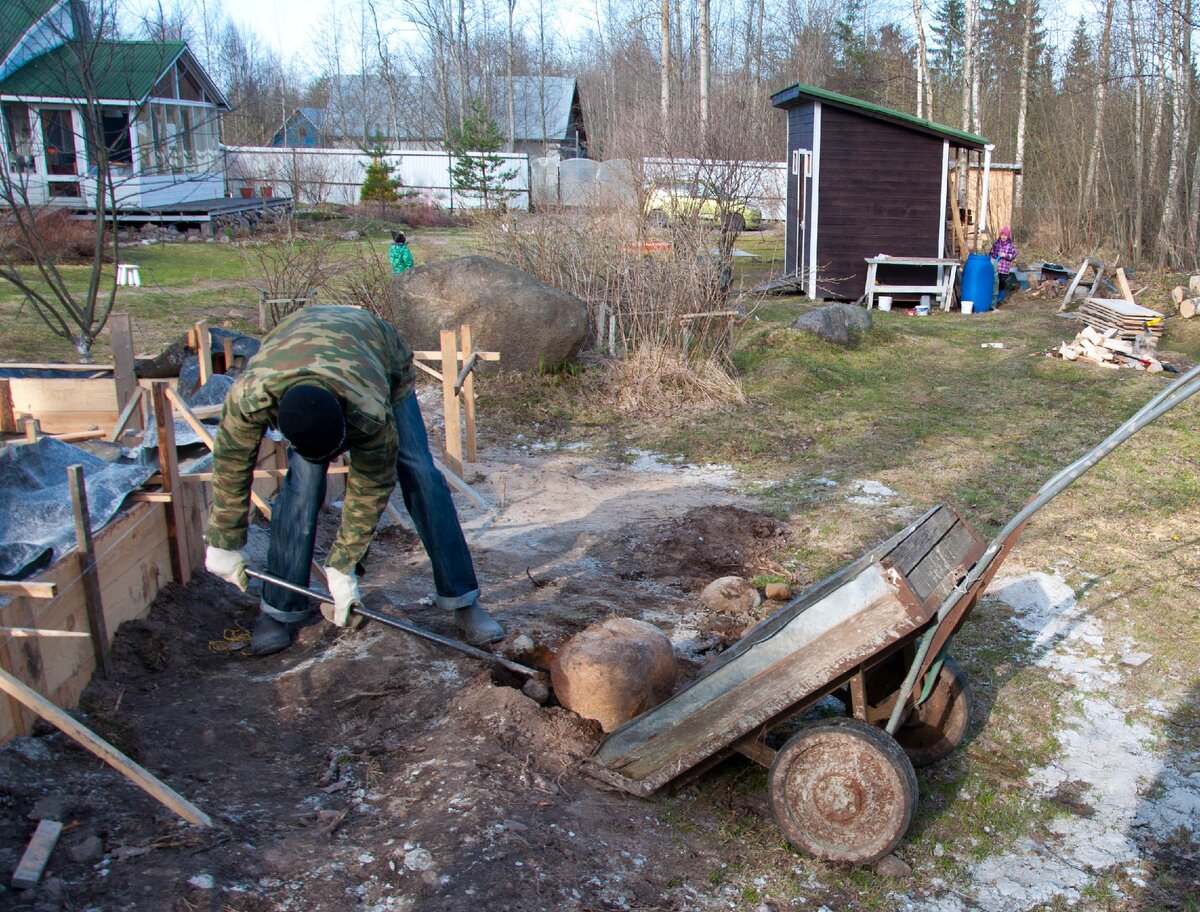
<point>134,563</point>
<point>37,854</point>
<point>64,406</point>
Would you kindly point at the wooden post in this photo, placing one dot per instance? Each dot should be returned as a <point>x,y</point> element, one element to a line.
<point>8,422</point>
<point>204,350</point>
<point>468,392</point>
<point>89,573</point>
<point>453,428</point>
<point>168,463</point>
<point>262,311</point>
<point>227,348</point>
<point>120,330</point>
<point>139,776</point>
<point>33,430</point>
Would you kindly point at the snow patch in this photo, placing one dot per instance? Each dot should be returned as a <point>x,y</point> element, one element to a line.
<point>717,475</point>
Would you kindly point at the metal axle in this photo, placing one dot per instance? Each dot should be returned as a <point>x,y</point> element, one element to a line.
<point>390,621</point>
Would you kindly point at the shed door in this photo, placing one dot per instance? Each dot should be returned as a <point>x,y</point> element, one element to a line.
<point>802,175</point>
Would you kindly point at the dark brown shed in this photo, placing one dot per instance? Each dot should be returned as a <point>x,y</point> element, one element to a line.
<point>862,180</point>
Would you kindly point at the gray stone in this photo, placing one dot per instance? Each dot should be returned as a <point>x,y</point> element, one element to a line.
<point>86,851</point>
<point>836,323</point>
<point>730,595</point>
<point>533,326</point>
<point>536,690</point>
<point>52,807</point>
<point>350,235</point>
<point>892,866</point>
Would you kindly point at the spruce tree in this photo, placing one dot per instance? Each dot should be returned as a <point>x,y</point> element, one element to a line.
<point>477,169</point>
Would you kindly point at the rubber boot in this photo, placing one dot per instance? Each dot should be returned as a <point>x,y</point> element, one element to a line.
<point>270,635</point>
<point>479,627</point>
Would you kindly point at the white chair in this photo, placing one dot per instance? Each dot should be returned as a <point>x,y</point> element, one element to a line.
<point>128,274</point>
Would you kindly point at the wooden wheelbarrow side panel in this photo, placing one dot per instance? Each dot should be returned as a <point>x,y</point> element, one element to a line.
<point>937,555</point>
<point>840,632</point>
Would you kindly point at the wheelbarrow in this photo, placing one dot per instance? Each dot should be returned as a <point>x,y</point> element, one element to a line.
<point>876,636</point>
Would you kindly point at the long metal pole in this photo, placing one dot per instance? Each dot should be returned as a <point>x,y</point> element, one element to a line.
<point>391,621</point>
<point>1161,403</point>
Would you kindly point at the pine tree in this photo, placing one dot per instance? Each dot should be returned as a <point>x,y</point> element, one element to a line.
<point>947,42</point>
<point>378,184</point>
<point>477,169</point>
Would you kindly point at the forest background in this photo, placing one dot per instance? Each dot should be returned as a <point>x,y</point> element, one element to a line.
<point>1096,101</point>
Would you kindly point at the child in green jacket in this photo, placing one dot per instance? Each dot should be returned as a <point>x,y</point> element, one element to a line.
<point>399,253</point>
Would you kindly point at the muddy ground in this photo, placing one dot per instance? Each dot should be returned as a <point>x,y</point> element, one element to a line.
<point>365,770</point>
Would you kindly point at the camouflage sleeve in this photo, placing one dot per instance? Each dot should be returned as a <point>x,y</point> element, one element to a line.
<point>234,456</point>
<point>369,484</point>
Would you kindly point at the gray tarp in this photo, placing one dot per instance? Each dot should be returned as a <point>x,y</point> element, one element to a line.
<point>36,520</point>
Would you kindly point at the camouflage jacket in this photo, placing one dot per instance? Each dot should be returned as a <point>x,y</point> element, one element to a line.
<point>360,359</point>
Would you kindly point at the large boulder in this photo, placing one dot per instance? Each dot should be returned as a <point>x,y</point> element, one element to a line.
<point>533,326</point>
<point>836,323</point>
<point>613,671</point>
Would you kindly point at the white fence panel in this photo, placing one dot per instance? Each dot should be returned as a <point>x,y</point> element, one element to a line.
<point>335,176</point>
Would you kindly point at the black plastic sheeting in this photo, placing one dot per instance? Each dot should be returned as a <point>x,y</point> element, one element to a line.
<point>36,520</point>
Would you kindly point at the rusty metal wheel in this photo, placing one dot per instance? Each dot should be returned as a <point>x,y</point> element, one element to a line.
<point>843,790</point>
<point>935,728</point>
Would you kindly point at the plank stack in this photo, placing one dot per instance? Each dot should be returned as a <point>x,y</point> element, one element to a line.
<point>1129,320</point>
<point>1106,349</point>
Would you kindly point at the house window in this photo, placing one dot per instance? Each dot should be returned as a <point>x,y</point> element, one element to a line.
<point>115,125</point>
<point>189,87</point>
<point>177,139</point>
<point>18,138</point>
<point>58,134</point>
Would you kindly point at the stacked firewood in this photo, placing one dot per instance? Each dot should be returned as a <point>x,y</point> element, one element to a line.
<point>1107,349</point>
<point>1187,302</point>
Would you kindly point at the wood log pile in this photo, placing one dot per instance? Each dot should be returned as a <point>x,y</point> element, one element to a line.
<point>1187,302</point>
<point>1106,349</point>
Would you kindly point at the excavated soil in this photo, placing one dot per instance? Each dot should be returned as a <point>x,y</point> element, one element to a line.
<point>369,770</point>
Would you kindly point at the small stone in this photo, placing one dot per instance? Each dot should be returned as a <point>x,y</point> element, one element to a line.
<point>86,851</point>
<point>53,887</point>
<point>779,592</point>
<point>52,807</point>
<point>892,866</point>
<point>418,859</point>
<point>522,646</point>
<point>202,881</point>
<point>730,595</point>
<point>536,690</point>
<point>1136,659</point>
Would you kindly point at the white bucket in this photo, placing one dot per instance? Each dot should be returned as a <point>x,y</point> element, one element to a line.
<point>968,307</point>
<point>926,300</point>
<point>921,310</point>
<point>885,302</point>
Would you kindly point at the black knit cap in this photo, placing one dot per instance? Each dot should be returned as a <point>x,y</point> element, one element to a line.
<point>312,421</point>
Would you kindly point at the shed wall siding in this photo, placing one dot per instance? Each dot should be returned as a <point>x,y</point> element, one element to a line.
<point>880,192</point>
<point>800,136</point>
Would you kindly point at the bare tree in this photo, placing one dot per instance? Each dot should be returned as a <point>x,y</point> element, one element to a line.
<point>1088,194</point>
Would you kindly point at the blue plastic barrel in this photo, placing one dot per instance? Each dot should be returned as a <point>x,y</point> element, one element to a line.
<point>977,281</point>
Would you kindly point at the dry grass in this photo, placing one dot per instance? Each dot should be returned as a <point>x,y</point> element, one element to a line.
<point>654,380</point>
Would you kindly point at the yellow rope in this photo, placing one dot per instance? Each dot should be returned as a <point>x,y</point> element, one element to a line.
<point>233,640</point>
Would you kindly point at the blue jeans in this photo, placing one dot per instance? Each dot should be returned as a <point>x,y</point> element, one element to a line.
<point>426,496</point>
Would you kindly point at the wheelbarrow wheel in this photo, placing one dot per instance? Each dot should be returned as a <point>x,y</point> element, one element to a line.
<point>843,790</point>
<point>935,728</point>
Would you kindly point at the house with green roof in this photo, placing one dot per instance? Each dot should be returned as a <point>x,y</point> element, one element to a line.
<point>865,180</point>
<point>159,113</point>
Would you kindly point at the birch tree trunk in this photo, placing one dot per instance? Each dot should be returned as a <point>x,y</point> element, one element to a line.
<point>665,53</point>
<point>924,88</point>
<point>1089,195</point>
<point>1139,145</point>
<point>973,29</point>
<point>1023,112</point>
<point>512,113</point>
<point>1180,66</point>
<point>705,54</point>
<point>758,53</point>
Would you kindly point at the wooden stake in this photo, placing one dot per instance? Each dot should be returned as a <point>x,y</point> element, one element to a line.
<point>27,589</point>
<point>37,855</point>
<point>136,774</point>
<point>120,330</point>
<point>204,350</point>
<point>87,564</point>
<point>33,430</point>
<point>39,633</point>
<point>467,384</point>
<point>1123,283</point>
<point>453,426</point>
<point>8,422</point>
<point>227,348</point>
<point>168,463</point>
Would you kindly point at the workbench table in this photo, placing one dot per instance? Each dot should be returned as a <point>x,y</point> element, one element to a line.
<point>944,290</point>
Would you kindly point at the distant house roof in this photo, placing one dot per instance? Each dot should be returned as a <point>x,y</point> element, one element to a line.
<point>362,108</point>
<point>799,92</point>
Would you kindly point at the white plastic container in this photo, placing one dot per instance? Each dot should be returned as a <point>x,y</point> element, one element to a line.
<point>968,306</point>
<point>921,310</point>
<point>885,302</point>
<point>926,301</point>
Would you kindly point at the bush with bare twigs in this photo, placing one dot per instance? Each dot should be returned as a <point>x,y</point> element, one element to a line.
<point>291,268</point>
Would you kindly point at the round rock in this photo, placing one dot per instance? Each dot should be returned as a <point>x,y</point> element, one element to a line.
<point>730,595</point>
<point>613,671</point>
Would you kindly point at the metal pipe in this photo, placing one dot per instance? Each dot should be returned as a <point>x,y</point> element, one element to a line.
<point>391,621</point>
<point>1161,403</point>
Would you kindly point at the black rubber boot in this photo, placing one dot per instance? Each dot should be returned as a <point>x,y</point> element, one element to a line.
<point>270,635</point>
<point>477,625</point>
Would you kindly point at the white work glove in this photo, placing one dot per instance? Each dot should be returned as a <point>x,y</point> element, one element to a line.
<point>344,589</point>
<point>229,565</point>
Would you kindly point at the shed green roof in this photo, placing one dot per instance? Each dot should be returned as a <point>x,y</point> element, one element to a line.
<point>16,18</point>
<point>126,70</point>
<point>786,98</point>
